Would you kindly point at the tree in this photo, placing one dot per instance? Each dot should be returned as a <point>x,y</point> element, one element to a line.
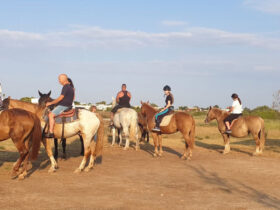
<point>101,102</point>
<point>26,99</point>
<point>183,107</point>
<point>276,100</point>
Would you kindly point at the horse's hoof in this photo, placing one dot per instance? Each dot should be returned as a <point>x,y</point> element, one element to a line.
<point>183,157</point>
<point>155,154</point>
<point>257,153</point>
<point>14,174</point>
<point>88,169</point>
<point>225,152</point>
<point>189,158</point>
<point>51,170</point>
<point>77,171</point>
<point>125,148</point>
<point>21,177</point>
<point>137,148</point>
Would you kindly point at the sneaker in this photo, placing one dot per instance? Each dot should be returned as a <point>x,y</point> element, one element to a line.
<point>49,135</point>
<point>228,131</point>
<point>156,129</point>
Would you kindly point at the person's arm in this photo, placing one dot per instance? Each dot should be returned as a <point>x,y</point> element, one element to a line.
<point>55,101</point>
<point>167,106</point>
<point>118,97</point>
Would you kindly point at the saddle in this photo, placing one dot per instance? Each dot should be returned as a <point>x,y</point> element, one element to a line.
<point>166,120</point>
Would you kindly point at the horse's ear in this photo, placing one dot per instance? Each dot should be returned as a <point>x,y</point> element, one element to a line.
<point>49,93</point>
<point>40,94</point>
<point>148,102</point>
<point>9,97</point>
<point>210,107</point>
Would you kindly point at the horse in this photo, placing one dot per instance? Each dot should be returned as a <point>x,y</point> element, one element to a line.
<point>125,120</point>
<point>180,121</point>
<point>142,123</point>
<point>24,128</point>
<point>241,127</point>
<point>87,125</point>
<point>63,140</point>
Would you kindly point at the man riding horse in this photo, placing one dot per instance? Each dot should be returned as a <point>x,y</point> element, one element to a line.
<point>63,102</point>
<point>123,99</point>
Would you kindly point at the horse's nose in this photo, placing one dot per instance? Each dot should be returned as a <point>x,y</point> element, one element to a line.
<point>206,121</point>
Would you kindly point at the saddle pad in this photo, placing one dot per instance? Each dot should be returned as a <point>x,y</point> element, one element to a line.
<point>58,119</point>
<point>166,120</point>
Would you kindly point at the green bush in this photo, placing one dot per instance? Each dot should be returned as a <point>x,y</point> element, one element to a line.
<point>263,111</point>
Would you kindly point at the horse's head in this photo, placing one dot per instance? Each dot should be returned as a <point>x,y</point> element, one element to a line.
<point>6,103</point>
<point>44,98</point>
<point>211,115</point>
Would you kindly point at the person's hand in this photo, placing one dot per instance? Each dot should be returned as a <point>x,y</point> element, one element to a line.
<point>48,104</point>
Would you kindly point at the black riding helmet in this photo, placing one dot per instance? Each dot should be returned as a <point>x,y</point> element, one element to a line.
<point>166,87</point>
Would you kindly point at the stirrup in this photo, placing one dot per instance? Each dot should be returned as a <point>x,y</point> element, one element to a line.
<point>156,129</point>
<point>49,135</point>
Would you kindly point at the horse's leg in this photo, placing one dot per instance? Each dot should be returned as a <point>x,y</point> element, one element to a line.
<point>92,156</point>
<point>120,136</point>
<point>188,146</point>
<point>55,148</point>
<point>28,145</point>
<point>82,144</point>
<point>258,142</point>
<point>126,133</point>
<point>113,136</point>
<point>155,138</point>
<point>227,146</point>
<point>64,148</point>
<point>87,141</point>
<point>148,137</point>
<point>48,148</point>
<point>160,144</point>
<point>22,152</point>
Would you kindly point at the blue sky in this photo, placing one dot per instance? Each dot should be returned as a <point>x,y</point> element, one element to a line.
<point>205,50</point>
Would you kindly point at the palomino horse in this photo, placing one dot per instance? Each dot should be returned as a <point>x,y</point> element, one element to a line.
<point>63,140</point>
<point>24,128</point>
<point>180,121</point>
<point>87,124</point>
<point>241,127</point>
<point>126,120</point>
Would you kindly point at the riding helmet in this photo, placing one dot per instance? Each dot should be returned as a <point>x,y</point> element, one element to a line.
<point>166,87</point>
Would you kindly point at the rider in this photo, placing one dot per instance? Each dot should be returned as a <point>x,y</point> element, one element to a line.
<point>167,109</point>
<point>236,111</point>
<point>123,99</point>
<point>63,102</point>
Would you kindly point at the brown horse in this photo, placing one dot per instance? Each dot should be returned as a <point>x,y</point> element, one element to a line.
<point>24,128</point>
<point>180,121</point>
<point>241,127</point>
<point>143,125</point>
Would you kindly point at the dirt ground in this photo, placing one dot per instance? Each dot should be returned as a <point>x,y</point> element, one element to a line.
<point>135,180</point>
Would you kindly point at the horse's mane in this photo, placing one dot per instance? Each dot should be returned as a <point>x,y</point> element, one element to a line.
<point>149,107</point>
<point>220,112</point>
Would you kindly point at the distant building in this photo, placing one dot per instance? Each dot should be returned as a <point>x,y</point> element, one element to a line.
<point>103,107</point>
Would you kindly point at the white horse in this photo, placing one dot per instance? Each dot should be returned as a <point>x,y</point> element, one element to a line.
<point>126,121</point>
<point>87,125</point>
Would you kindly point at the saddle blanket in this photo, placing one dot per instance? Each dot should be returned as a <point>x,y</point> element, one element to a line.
<point>166,120</point>
<point>59,120</point>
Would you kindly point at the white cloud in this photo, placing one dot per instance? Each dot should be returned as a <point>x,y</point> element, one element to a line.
<point>173,23</point>
<point>266,6</point>
<point>98,38</point>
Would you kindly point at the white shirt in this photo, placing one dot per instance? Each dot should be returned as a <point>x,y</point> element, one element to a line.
<point>237,107</point>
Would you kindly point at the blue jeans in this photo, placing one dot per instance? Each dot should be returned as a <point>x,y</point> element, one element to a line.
<point>59,109</point>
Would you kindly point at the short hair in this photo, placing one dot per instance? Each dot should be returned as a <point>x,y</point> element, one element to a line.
<point>124,84</point>
<point>92,107</point>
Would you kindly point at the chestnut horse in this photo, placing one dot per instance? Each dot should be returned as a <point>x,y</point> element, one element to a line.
<point>180,121</point>
<point>88,125</point>
<point>24,128</point>
<point>241,127</point>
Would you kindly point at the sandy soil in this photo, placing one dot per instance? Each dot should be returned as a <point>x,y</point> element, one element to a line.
<point>135,180</point>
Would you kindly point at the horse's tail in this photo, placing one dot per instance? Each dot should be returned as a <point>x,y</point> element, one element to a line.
<point>192,134</point>
<point>100,135</point>
<point>133,130</point>
<point>262,134</point>
<point>36,138</point>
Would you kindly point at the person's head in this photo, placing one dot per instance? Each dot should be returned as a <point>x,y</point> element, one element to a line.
<point>166,89</point>
<point>123,87</point>
<point>93,108</point>
<point>234,96</point>
<point>63,79</point>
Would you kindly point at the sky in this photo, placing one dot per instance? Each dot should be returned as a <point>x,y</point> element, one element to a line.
<point>204,49</point>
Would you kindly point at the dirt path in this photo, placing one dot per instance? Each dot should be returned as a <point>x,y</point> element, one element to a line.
<point>136,180</point>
